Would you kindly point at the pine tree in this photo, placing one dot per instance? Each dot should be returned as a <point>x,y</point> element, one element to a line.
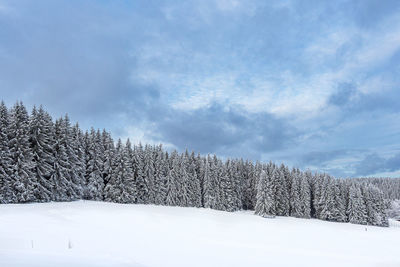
<point>108,157</point>
<point>327,201</point>
<point>210,173</point>
<point>265,205</point>
<point>121,186</point>
<point>60,177</point>
<point>75,189</point>
<point>356,210</point>
<point>173,197</point>
<point>183,180</point>
<point>339,214</point>
<point>42,141</point>
<point>148,176</point>
<point>7,194</point>
<point>375,206</point>
<point>281,193</point>
<point>230,187</point>
<point>140,176</point>
<point>78,160</point>
<point>295,200</point>
<point>318,201</point>
<point>199,162</point>
<point>305,196</point>
<point>195,181</point>
<point>21,155</point>
<point>95,183</point>
<point>160,176</point>
<point>225,189</point>
<point>248,186</point>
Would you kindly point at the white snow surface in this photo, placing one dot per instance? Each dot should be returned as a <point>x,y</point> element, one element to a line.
<point>86,233</point>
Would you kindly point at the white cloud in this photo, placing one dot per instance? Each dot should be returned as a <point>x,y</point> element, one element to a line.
<point>284,94</point>
<point>228,5</point>
<point>141,134</point>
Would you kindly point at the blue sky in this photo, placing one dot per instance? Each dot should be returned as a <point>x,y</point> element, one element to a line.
<point>314,84</point>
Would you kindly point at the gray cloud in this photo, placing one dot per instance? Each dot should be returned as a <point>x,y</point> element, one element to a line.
<point>343,95</point>
<point>353,102</point>
<point>113,64</point>
<point>323,158</point>
<point>220,128</point>
<point>373,163</point>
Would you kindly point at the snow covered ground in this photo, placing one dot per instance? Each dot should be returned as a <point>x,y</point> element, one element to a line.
<point>88,233</point>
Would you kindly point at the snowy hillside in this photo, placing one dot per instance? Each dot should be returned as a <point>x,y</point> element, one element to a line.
<point>104,234</point>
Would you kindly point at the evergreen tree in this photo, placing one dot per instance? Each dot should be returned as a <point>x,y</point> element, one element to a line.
<point>148,175</point>
<point>75,190</point>
<point>265,205</point>
<point>108,157</point>
<point>327,201</point>
<point>281,193</point>
<point>225,188</point>
<point>305,196</point>
<point>173,197</point>
<point>183,180</point>
<point>60,177</point>
<point>41,138</point>
<point>249,186</point>
<point>210,174</point>
<point>7,194</point>
<point>78,160</point>
<point>140,176</point>
<point>356,210</point>
<point>195,181</point>
<point>339,214</point>
<point>295,200</point>
<point>94,177</point>
<point>160,176</point>
<point>121,186</point>
<point>21,155</point>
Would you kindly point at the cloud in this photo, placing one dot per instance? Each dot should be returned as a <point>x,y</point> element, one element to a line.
<point>323,158</point>
<point>373,164</point>
<point>221,129</point>
<point>343,95</point>
<point>316,85</point>
<point>354,101</point>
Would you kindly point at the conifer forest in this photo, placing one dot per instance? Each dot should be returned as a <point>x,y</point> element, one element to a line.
<point>42,160</point>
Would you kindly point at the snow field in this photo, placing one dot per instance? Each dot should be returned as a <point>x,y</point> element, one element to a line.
<point>86,233</point>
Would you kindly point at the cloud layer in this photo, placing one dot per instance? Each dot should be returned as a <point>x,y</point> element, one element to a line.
<point>313,84</point>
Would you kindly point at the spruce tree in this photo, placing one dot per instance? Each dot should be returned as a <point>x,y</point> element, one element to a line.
<point>265,205</point>
<point>356,210</point>
<point>21,155</point>
<point>108,157</point>
<point>281,193</point>
<point>173,197</point>
<point>305,196</point>
<point>79,160</point>
<point>147,195</point>
<point>42,142</point>
<point>195,181</point>
<point>94,177</point>
<point>7,194</point>
<point>140,177</point>
<point>121,185</point>
<point>60,177</point>
<point>210,190</point>
<point>295,199</point>
<point>160,176</point>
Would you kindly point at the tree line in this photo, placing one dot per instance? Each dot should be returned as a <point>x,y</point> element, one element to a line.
<point>42,160</point>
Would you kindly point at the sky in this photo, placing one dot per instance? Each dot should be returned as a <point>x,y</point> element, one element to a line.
<point>312,84</point>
